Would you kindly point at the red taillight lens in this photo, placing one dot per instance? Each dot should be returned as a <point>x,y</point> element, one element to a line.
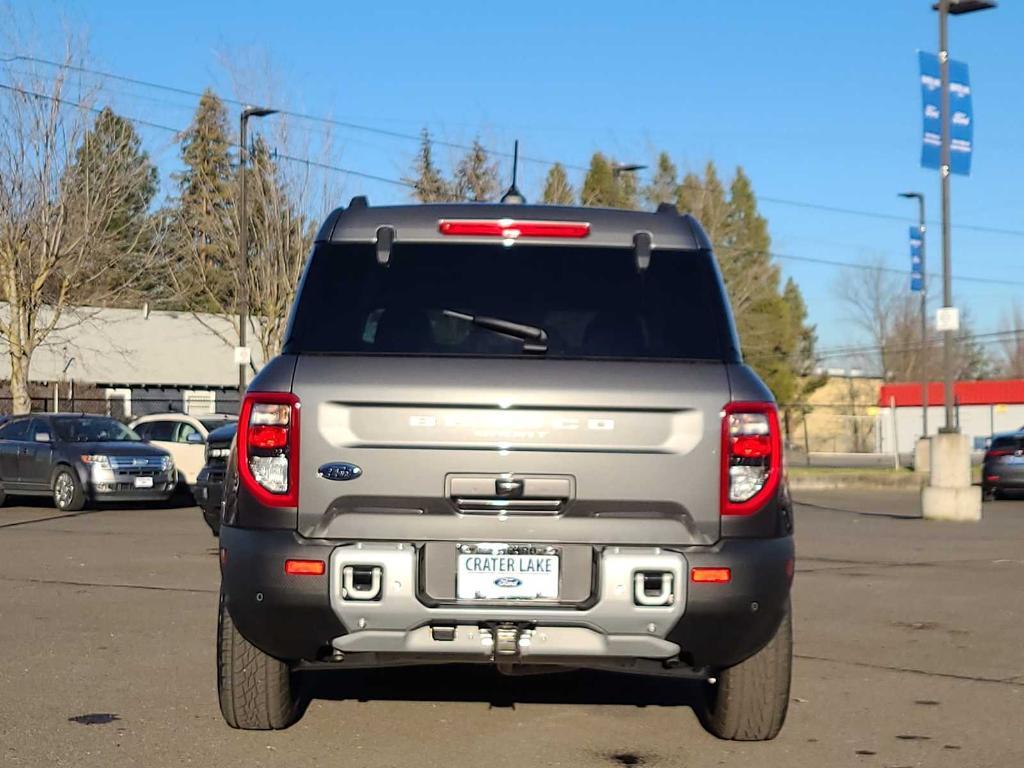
<point>511,229</point>
<point>751,456</point>
<point>304,567</point>
<point>265,436</point>
<point>710,575</point>
<point>268,447</point>
<point>995,452</point>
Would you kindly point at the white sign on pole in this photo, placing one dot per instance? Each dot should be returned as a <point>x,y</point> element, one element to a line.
<point>242,356</point>
<point>947,319</point>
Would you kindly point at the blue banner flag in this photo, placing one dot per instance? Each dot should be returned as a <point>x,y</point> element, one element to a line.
<point>916,267</point>
<point>961,135</point>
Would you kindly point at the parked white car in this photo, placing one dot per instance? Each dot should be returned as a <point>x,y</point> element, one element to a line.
<point>182,435</point>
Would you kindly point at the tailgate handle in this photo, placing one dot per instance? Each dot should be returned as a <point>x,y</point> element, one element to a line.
<point>508,488</point>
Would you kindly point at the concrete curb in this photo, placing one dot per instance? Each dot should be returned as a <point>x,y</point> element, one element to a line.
<point>872,481</point>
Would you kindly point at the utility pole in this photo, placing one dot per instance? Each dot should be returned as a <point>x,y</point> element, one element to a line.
<point>243,239</point>
<point>924,310</point>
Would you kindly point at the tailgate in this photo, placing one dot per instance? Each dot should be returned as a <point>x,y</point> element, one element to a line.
<point>525,450</point>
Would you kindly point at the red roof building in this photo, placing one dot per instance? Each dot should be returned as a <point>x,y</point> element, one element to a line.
<point>990,392</point>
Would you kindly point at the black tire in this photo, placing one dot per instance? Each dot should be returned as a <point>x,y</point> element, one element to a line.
<point>750,700</point>
<point>256,690</point>
<point>66,488</point>
<point>3,496</point>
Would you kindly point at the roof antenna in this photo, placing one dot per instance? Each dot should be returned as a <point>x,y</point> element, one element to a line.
<point>513,196</point>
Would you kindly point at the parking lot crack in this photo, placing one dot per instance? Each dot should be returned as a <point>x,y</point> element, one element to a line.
<point>100,585</point>
<point>912,671</point>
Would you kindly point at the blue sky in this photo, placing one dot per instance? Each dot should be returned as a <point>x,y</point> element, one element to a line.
<point>818,101</point>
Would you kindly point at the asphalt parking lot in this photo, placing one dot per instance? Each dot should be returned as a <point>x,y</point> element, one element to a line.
<point>908,641</point>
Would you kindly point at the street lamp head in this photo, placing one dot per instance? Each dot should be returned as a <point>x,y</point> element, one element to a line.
<point>958,7</point>
<point>257,112</point>
<point>627,167</point>
<point>912,195</point>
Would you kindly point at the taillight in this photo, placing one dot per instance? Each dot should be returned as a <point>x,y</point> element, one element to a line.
<point>511,229</point>
<point>304,567</point>
<point>996,452</point>
<point>268,447</point>
<point>751,456</point>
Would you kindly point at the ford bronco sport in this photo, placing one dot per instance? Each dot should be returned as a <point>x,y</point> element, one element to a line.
<point>513,435</point>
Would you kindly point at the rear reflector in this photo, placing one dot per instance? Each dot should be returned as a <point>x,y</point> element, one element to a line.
<point>304,567</point>
<point>511,229</point>
<point>711,575</point>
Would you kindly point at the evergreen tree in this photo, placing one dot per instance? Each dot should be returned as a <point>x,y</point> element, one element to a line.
<point>475,180</point>
<point>204,227</point>
<point>705,199</point>
<point>664,187</point>
<point>429,186</point>
<point>604,188</point>
<point>112,142</point>
<point>110,162</point>
<point>557,189</point>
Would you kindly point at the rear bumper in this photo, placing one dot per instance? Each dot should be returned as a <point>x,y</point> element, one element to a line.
<point>1002,477</point>
<point>309,618</point>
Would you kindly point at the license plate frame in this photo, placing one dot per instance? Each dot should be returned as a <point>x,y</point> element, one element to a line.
<point>143,483</point>
<point>504,572</point>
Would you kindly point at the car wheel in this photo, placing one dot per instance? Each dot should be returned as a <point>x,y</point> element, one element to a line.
<point>3,495</point>
<point>68,495</point>
<point>256,691</point>
<point>750,700</point>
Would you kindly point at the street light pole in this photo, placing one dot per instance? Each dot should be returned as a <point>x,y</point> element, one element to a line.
<point>243,238</point>
<point>947,287</point>
<point>946,7</point>
<point>924,310</point>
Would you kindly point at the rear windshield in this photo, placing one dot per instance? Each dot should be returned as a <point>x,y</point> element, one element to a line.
<point>590,301</point>
<point>1008,442</point>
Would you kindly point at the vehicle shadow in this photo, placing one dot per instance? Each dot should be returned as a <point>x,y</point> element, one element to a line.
<point>484,684</point>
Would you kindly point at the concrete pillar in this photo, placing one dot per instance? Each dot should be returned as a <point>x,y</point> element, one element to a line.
<point>922,457</point>
<point>949,494</point>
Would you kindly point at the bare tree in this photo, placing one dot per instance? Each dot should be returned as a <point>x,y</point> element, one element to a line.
<point>1012,352</point>
<point>880,304</point>
<point>62,234</point>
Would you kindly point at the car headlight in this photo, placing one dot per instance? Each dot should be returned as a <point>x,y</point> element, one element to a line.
<point>96,460</point>
<point>167,463</point>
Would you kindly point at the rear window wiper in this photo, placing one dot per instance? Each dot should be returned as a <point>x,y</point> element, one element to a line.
<point>535,339</point>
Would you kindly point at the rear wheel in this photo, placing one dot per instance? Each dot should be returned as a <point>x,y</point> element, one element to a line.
<point>68,495</point>
<point>256,690</point>
<point>750,700</point>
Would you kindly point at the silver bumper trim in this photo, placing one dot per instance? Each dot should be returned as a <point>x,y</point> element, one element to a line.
<point>613,627</point>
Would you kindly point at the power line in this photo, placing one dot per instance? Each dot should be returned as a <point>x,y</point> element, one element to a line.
<point>178,132</point>
<point>498,153</point>
<point>989,337</point>
<point>290,113</point>
<point>410,185</point>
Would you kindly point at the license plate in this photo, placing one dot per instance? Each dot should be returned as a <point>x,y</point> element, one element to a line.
<point>507,572</point>
<point>143,482</point>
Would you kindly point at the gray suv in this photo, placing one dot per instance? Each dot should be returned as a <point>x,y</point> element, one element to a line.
<point>513,435</point>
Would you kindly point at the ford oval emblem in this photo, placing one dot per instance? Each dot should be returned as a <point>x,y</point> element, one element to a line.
<point>339,470</point>
<point>507,581</point>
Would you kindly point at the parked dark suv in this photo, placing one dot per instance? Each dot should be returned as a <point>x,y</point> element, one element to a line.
<point>208,490</point>
<point>1003,468</point>
<point>513,435</point>
<point>78,458</point>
